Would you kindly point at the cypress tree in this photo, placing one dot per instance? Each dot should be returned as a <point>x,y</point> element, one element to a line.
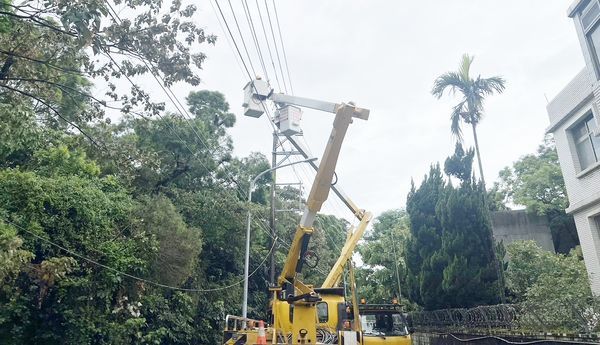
<point>425,268</point>
<point>450,255</point>
<point>469,278</point>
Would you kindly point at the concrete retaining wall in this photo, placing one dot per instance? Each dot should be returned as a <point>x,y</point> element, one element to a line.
<point>519,225</point>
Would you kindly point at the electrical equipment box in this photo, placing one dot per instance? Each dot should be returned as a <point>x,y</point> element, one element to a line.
<point>255,92</point>
<point>288,120</point>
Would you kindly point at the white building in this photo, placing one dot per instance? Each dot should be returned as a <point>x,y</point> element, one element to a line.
<point>574,120</point>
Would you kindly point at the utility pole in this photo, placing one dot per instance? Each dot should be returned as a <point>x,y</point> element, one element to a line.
<point>272,216</point>
<point>279,150</point>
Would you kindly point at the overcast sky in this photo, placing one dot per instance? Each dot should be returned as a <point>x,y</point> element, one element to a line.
<point>385,55</point>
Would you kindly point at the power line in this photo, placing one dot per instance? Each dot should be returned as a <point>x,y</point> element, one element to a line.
<point>241,36</point>
<point>250,80</point>
<point>270,118</point>
<point>233,40</point>
<point>226,37</point>
<point>266,109</point>
<point>254,36</point>
<point>283,49</point>
<point>262,23</point>
<point>275,44</point>
<point>94,262</point>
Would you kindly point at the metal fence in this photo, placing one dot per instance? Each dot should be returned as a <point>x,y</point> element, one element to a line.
<point>581,318</point>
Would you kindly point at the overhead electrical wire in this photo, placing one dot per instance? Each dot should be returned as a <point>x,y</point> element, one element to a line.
<point>237,59</point>
<point>131,276</point>
<point>241,36</point>
<point>283,49</point>
<point>266,109</point>
<point>254,37</point>
<point>275,44</point>
<point>262,23</point>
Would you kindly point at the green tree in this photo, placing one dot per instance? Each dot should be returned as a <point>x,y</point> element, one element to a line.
<point>451,253</point>
<point>553,289</point>
<point>51,50</point>
<point>536,182</point>
<point>86,214</point>
<point>178,245</point>
<point>12,257</point>
<point>469,277</point>
<point>424,265</point>
<point>383,251</point>
<point>473,91</point>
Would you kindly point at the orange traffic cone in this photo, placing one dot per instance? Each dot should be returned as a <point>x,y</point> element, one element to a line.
<point>262,337</point>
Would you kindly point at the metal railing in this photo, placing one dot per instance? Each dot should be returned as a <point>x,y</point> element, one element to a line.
<point>237,323</point>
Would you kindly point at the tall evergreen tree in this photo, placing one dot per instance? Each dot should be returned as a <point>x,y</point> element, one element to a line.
<point>424,266</point>
<point>451,254</point>
<point>470,277</point>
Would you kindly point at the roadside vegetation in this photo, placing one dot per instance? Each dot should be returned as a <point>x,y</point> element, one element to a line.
<point>124,223</point>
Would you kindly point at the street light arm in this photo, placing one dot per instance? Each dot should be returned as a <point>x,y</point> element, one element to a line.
<point>281,166</point>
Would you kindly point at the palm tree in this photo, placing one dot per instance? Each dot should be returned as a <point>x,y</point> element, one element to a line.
<point>470,108</point>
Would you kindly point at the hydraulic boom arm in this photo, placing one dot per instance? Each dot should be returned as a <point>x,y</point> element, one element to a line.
<point>337,270</point>
<point>318,194</point>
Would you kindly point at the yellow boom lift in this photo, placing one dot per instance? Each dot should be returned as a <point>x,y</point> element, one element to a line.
<point>303,314</point>
<point>379,323</point>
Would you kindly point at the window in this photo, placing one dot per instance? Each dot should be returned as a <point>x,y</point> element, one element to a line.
<point>382,324</point>
<point>590,14</point>
<point>591,28</point>
<point>322,312</point>
<point>587,143</point>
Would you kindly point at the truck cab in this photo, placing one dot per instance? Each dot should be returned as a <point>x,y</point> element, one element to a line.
<point>383,324</point>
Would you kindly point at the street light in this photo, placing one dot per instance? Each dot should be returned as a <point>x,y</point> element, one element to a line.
<point>247,261</point>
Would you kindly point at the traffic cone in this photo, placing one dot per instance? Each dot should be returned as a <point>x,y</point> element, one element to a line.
<point>262,336</point>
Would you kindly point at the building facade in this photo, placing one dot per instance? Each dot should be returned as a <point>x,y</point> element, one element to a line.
<point>575,123</point>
